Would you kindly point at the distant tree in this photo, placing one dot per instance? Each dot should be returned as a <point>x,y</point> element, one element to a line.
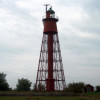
<point>97,88</point>
<point>34,87</point>
<point>23,85</point>
<point>3,82</point>
<point>75,87</point>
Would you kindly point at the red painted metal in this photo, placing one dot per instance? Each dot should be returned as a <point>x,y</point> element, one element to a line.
<point>50,25</point>
<point>50,80</point>
<point>50,69</point>
<point>47,14</point>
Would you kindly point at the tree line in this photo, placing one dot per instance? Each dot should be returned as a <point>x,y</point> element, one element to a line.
<point>22,85</point>
<point>25,85</point>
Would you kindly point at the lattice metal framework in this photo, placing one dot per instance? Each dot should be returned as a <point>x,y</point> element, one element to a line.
<point>50,72</point>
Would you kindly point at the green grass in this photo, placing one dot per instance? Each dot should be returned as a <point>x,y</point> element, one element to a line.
<point>93,94</point>
<point>86,96</point>
<point>49,98</point>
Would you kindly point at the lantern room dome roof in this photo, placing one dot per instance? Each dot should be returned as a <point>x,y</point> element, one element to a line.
<point>50,10</point>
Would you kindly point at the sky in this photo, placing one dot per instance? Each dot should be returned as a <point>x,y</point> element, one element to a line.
<point>21,31</point>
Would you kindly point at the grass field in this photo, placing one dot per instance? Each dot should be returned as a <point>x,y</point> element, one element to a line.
<point>51,98</point>
<point>87,96</point>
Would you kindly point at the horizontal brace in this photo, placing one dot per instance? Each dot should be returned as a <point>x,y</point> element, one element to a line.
<point>54,80</point>
<point>59,80</point>
<point>43,61</point>
<point>43,70</point>
<point>53,70</point>
<point>57,70</point>
<point>57,60</point>
<point>55,42</point>
<point>56,51</point>
<point>40,80</point>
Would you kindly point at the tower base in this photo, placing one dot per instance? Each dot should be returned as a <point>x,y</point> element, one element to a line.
<point>50,84</point>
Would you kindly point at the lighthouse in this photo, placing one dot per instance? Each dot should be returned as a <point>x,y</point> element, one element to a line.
<point>50,73</point>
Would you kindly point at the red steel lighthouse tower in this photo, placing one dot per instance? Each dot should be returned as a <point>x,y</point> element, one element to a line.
<point>50,72</point>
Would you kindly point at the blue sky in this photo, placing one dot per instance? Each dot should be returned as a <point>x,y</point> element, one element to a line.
<point>21,31</point>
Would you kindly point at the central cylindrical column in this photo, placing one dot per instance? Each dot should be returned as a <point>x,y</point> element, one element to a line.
<point>50,80</point>
<point>50,56</point>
